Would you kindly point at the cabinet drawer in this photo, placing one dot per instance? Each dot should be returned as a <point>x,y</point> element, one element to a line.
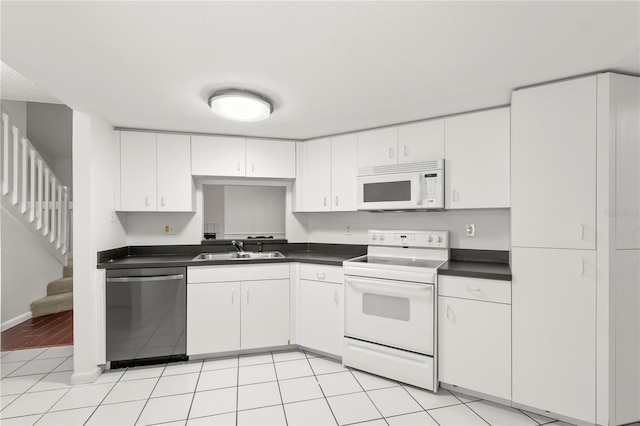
<point>240,272</point>
<point>333,274</point>
<point>475,289</point>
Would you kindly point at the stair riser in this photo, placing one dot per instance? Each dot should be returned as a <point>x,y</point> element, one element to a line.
<point>64,285</point>
<point>52,305</point>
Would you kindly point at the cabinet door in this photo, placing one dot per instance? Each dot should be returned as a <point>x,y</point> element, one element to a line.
<point>627,90</point>
<point>554,330</point>
<point>317,176</point>
<point>137,171</point>
<point>474,345</point>
<point>213,317</point>
<point>344,173</point>
<point>265,314</point>
<point>477,160</point>
<point>553,163</point>
<point>321,316</point>
<point>271,158</point>
<point>422,141</point>
<point>378,147</point>
<point>217,156</point>
<point>175,185</point>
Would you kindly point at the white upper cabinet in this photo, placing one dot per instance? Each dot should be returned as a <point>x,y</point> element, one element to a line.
<point>344,172</point>
<point>329,181</point>
<point>155,172</point>
<point>229,156</point>
<point>553,163</point>
<point>268,158</point>
<point>421,141</point>
<point>477,160</point>
<point>174,173</point>
<point>407,143</point>
<point>317,176</point>
<point>217,156</point>
<point>137,171</point>
<point>378,147</point>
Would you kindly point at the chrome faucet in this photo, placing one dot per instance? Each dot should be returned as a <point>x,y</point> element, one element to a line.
<point>238,245</point>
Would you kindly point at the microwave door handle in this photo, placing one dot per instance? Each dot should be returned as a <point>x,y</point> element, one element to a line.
<point>420,188</point>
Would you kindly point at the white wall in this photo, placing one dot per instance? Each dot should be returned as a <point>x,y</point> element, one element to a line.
<point>96,228</point>
<point>27,268</point>
<point>492,226</point>
<point>254,210</point>
<point>17,110</point>
<point>213,208</point>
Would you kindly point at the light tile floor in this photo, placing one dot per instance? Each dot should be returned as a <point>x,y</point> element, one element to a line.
<point>280,388</point>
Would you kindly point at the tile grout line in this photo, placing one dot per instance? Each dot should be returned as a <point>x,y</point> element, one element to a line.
<point>193,397</point>
<point>315,376</point>
<point>417,402</point>
<point>369,396</point>
<point>279,390</point>
<point>149,397</point>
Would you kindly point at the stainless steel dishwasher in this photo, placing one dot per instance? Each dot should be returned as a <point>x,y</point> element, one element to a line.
<point>146,316</point>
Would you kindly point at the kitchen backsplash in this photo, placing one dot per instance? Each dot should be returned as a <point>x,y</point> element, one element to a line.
<point>492,226</point>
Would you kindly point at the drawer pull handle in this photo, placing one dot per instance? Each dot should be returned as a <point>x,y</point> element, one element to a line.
<point>321,275</point>
<point>335,297</point>
<point>247,295</point>
<point>233,294</point>
<point>477,292</point>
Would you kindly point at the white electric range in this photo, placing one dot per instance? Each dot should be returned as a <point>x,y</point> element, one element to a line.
<point>390,306</point>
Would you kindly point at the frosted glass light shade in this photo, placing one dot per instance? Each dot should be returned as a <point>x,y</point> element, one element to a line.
<point>240,105</point>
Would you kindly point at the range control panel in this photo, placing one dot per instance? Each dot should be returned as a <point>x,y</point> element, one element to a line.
<point>432,239</point>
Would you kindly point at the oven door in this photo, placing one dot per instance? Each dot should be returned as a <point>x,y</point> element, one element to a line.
<point>399,314</point>
<point>399,191</point>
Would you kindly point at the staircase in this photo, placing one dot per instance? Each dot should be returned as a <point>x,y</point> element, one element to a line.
<point>59,295</point>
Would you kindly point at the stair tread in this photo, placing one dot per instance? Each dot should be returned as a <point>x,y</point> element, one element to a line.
<point>52,304</point>
<point>61,285</point>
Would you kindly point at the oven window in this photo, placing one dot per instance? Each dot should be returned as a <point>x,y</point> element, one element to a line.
<point>381,305</point>
<point>387,191</point>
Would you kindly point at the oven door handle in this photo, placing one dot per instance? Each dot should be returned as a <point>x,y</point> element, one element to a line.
<point>387,288</point>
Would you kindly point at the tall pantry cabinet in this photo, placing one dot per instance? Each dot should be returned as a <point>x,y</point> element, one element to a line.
<point>574,164</point>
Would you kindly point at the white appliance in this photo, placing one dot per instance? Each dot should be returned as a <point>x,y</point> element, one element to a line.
<point>416,186</point>
<point>390,306</point>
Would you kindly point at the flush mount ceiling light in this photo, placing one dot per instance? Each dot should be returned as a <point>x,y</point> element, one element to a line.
<point>240,105</point>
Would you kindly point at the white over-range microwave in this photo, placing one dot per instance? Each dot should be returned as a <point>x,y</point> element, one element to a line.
<point>415,186</point>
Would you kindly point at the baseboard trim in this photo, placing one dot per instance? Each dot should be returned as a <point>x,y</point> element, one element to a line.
<point>86,378</point>
<point>15,321</point>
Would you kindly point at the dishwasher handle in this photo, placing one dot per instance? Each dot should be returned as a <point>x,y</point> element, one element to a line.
<point>145,279</point>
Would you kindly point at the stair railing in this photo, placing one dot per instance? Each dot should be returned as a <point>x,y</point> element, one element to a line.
<point>32,192</point>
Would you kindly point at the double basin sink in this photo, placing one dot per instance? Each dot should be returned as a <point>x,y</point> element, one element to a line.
<point>239,256</point>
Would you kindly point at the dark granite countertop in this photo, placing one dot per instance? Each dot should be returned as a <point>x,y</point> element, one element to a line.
<point>487,264</point>
<point>182,255</point>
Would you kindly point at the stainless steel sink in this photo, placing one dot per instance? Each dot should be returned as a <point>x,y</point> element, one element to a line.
<point>239,256</point>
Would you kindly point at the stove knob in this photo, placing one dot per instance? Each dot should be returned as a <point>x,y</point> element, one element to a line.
<point>429,238</point>
<point>374,237</point>
<point>381,237</point>
<point>438,239</point>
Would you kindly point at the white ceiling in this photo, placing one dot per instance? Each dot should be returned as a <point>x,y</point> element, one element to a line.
<point>330,67</point>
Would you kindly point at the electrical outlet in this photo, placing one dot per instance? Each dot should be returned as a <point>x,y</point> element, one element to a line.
<point>348,230</point>
<point>168,230</point>
<point>471,230</point>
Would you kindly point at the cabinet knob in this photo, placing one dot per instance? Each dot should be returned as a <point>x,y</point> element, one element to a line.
<point>146,201</point>
<point>238,166</point>
<point>162,201</point>
<point>336,200</point>
<point>406,151</point>
<point>456,195</point>
<point>335,296</point>
<point>390,152</point>
<point>321,275</point>
<point>252,167</point>
<point>324,201</point>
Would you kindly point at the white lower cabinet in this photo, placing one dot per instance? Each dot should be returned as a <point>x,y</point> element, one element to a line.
<point>322,308</point>
<point>231,315</point>
<point>264,314</point>
<point>213,317</point>
<point>474,335</point>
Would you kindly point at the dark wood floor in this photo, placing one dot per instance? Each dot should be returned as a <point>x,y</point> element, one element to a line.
<point>45,331</point>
